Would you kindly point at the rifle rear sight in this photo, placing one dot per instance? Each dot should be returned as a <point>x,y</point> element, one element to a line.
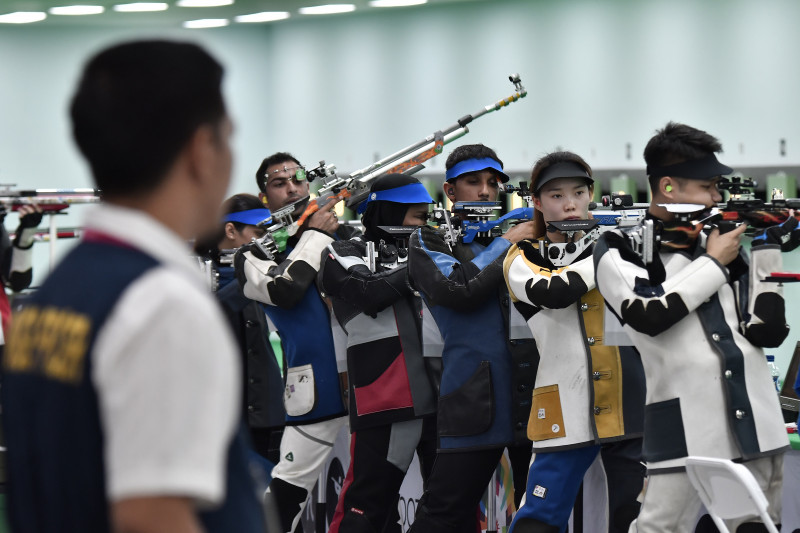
<point>323,172</point>
<point>737,186</point>
<point>617,200</point>
<point>522,191</point>
<point>476,210</point>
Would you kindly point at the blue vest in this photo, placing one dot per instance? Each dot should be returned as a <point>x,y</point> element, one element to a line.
<point>50,408</point>
<point>477,375</point>
<point>306,338</point>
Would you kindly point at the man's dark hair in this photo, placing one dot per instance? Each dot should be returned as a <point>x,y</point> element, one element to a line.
<point>275,159</point>
<point>676,143</point>
<point>136,107</point>
<point>470,151</point>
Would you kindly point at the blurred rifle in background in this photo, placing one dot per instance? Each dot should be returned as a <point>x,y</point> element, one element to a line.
<point>49,200</point>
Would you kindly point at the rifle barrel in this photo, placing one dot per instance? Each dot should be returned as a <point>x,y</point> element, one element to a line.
<point>459,129</point>
<point>46,200</point>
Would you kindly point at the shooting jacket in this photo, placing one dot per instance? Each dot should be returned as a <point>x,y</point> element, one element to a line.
<point>485,392</point>
<point>586,392</point>
<point>16,269</point>
<point>263,390</point>
<point>286,285</point>
<point>699,328</point>
<point>388,377</point>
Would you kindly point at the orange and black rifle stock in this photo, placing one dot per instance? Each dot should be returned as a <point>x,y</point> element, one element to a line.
<point>743,207</point>
<point>354,187</point>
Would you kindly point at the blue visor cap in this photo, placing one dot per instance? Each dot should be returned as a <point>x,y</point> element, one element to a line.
<point>413,193</point>
<point>475,165</point>
<point>252,217</point>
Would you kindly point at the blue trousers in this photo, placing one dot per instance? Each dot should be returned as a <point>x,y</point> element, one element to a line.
<point>554,479</point>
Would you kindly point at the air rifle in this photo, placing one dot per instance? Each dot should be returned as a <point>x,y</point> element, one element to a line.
<point>564,253</point>
<point>277,232</point>
<point>743,206</point>
<point>472,219</point>
<point>49,200</point>
<point>389,255</point>
<point>353,188</point>
<point>614,211</point>
<point>475,221</point>
<point>617,211</point>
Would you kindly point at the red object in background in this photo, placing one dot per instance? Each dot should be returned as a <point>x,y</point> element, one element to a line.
<point>46,208</point>
<point>788,275</point>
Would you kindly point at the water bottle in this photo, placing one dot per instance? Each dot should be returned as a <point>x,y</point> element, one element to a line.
<point>775,371</point>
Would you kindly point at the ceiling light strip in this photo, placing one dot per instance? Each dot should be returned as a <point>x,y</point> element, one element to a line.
<point>205,23</point>
<point>22,17</point>
<point>264,16</point>
<point>327,9</point>
<point>141,7</point>
<point>204,3</point>
<point>76,10</point>
<point>396,3</point>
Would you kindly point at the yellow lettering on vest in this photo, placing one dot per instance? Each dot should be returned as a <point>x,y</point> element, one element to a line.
<point>75,344</point>
<point>19,349</point>
<point>50,341</point>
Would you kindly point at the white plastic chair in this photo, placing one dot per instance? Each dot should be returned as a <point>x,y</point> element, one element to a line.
<point>728,490</point>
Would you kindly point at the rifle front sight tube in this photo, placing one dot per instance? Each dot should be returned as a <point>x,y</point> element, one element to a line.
<point>450,137</point>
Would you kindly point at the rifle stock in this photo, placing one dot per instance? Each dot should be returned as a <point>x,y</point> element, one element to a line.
<point>759,214</point>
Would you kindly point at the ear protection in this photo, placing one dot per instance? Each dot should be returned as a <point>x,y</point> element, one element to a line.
<point>668,188</point>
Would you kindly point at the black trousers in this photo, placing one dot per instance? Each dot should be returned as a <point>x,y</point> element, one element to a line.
<point>267,442</point>
<point>379,459</point>
<point>455,488</point>
<point>625,478</point>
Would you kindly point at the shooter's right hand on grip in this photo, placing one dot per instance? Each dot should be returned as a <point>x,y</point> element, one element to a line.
<point>325,218</point>
<point>317,204</point>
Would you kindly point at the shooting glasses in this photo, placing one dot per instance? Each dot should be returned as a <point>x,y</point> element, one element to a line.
<point>299,173</point>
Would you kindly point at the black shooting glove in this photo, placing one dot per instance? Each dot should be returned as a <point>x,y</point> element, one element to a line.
<point>27,229</point>
<point>786,235</point>
<point>30,220</point>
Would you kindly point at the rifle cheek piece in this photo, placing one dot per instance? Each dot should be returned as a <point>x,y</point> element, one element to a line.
<point>564,253</point>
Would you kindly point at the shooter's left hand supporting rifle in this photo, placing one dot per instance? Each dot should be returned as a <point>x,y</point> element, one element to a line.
<point>353,189</point>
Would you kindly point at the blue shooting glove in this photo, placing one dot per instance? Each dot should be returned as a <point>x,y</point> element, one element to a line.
<point>786,235</point>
